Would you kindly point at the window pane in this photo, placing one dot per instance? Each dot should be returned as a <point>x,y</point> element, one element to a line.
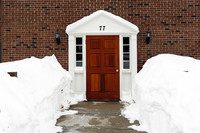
<point>78,57</point>
<point>79,64</point>
<point>78,49</point>
<point>126,57</point>
<point>126,49</point>
<point>126,65</point>
<point>125,40</point>
<point>78,40</point>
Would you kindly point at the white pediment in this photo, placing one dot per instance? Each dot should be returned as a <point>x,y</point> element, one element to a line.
<point>102,22</point>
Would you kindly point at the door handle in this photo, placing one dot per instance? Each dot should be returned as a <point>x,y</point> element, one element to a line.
<point>117,70</point>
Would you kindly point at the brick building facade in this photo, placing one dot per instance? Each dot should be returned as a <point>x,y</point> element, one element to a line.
<point>28,26</point>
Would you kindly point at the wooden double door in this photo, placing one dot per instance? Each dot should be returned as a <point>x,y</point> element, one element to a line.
<point>102,59</point>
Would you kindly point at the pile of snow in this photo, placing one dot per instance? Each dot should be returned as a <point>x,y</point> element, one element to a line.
<point>167,96</point>
<point>31,102</point>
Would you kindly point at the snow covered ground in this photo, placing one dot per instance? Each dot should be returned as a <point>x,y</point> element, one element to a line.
<point>167,95</point>
<point>31,103</point>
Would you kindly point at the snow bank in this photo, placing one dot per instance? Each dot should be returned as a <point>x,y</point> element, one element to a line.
<point>167,95</point>
<point>31,102</point>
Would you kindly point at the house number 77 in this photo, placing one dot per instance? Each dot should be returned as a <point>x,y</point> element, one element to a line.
<point>102,28</point>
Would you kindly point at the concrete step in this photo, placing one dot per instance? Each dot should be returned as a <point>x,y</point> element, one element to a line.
<point>93,121</point>
<point>97,130</point>
<point>96,117</point>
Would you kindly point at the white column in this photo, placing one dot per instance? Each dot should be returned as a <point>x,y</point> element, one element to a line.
<point>134,61</point>
<point>71,56</point>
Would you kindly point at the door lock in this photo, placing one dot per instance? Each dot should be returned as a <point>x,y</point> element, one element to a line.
<point>117,70</point>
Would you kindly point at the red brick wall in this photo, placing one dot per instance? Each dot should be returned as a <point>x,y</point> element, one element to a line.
<point>28,26</point>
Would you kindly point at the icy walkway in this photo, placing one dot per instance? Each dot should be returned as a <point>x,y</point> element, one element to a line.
<point>96,117</point>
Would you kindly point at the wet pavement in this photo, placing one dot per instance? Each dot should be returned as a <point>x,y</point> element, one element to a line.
<point>96,117</point>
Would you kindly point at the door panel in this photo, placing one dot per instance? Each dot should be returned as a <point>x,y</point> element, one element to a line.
<point>109,60</point>
<point>109,44</point>
<point>110,83</point>
<point>95,60</point>
<point>102,59</point>
<point>95,44</point>
<point>95,82</point>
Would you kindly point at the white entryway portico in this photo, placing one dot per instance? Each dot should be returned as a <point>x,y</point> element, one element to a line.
<point>102,51</point>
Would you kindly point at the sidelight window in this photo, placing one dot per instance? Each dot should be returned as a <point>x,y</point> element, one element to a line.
<point>126,52</point>
<point>79,52</point>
